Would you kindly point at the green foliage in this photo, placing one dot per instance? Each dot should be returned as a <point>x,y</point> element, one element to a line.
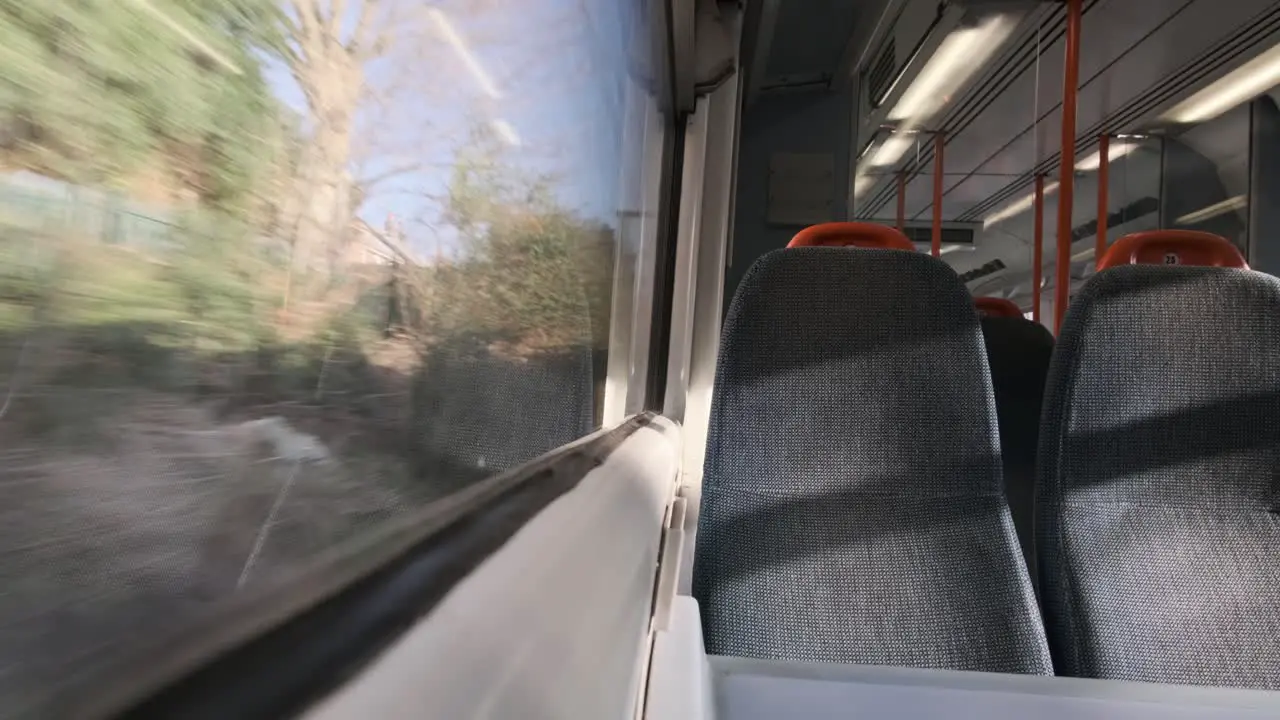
<point>531,276</point>
<point>96,90</point>
<point>535,274</point>
<point>215,278</point>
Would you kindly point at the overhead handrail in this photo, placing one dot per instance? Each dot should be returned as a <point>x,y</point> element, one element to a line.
<point>1173,247</point>
<point>997,307</point>
<point>851,234</point>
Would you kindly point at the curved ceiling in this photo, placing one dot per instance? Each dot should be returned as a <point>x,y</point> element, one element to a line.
<point>1139,57</point>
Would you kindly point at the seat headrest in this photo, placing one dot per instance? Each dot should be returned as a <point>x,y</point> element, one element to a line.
<point>818,342</point>
<point>1173,247</point>
<point>856,234</point>
<point>997,307</point>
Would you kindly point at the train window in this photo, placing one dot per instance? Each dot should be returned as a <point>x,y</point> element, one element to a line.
<point>275,272</point>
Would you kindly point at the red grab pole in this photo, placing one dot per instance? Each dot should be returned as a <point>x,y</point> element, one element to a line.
<point>1066,169</point>
<point>902,202</point>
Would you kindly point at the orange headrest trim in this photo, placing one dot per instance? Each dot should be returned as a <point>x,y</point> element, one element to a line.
<point>844,234</point>
<point>997,307</point>
<point>1173,247</point>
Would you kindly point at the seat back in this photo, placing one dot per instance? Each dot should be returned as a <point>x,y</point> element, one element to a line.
<point>852,508</point>
<point>1158,493</point>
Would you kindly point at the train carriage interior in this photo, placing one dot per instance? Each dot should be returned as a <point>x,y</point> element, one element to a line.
<point>665,359</point>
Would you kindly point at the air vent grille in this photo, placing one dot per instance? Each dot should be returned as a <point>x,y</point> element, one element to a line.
<point>990,268</point>
<point>880,79</point>
<point>950,235</point>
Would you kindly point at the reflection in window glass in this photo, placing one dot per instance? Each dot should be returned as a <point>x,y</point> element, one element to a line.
<point>1207,176</point>
<point>274,271</point>
<point>1133,192</point>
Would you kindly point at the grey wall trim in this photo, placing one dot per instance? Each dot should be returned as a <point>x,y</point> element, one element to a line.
<point>1264,185</point>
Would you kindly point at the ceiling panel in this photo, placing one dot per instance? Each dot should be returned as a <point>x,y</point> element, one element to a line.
<point>1110,31</point>
<point>1128,47</point>
<point>810,36</point>
<point>1194,30</point>
<point>1133,178</point>
<point>964,193</point>
<point>1224,142</point>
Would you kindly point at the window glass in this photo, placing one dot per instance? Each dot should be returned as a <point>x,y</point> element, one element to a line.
<point>273,272</point>
<point>1207,175</point>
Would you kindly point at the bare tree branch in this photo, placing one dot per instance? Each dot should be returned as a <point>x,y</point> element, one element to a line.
<point>291,23</point>
<point>407,168</point>
<point>376,49</point>
<point>337,9</point>
<point>364,24</point>
<point>293,57</point>
<point>317,12</point>
<point>308,14</point>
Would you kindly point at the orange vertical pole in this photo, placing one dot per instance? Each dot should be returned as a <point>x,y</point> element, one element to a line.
<point>1066,170</point>
<point>939,143</point>
<point>902,202</point>
<point>1037,261</point>
<point>1104,173</point>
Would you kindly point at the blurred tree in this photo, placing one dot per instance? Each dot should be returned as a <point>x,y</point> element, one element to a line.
<point>328,44</point>
<point>535,275</point>
<point>122,92</point>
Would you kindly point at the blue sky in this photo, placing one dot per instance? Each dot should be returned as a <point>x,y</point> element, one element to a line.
<point>553,71</point>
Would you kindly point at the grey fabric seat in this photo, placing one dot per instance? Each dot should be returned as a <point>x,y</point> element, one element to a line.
<point>852,508</point>
<point>1157,523</point>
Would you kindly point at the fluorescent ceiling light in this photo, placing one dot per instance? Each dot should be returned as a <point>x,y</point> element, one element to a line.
<point>1016,207</point>
<point>959,56</point>
<point>468,58</point>
<point>1114,152</point>
<point>891,150</point>
<point>1240,85</point>
<point>949,248</point>
<point>1212,211</point>
<point>861,184</point>
<point>1085,255</point>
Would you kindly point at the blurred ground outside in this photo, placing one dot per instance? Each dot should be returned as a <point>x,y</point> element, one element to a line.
<point>182,416</point>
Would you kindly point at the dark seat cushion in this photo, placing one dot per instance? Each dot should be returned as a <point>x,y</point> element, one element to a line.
<point>1018,352</point>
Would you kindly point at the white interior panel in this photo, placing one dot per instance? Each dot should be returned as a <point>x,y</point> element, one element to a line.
<point>555,624</point>
<point>680,681</point>
<point>746,689</point>
<point>755,692</point>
